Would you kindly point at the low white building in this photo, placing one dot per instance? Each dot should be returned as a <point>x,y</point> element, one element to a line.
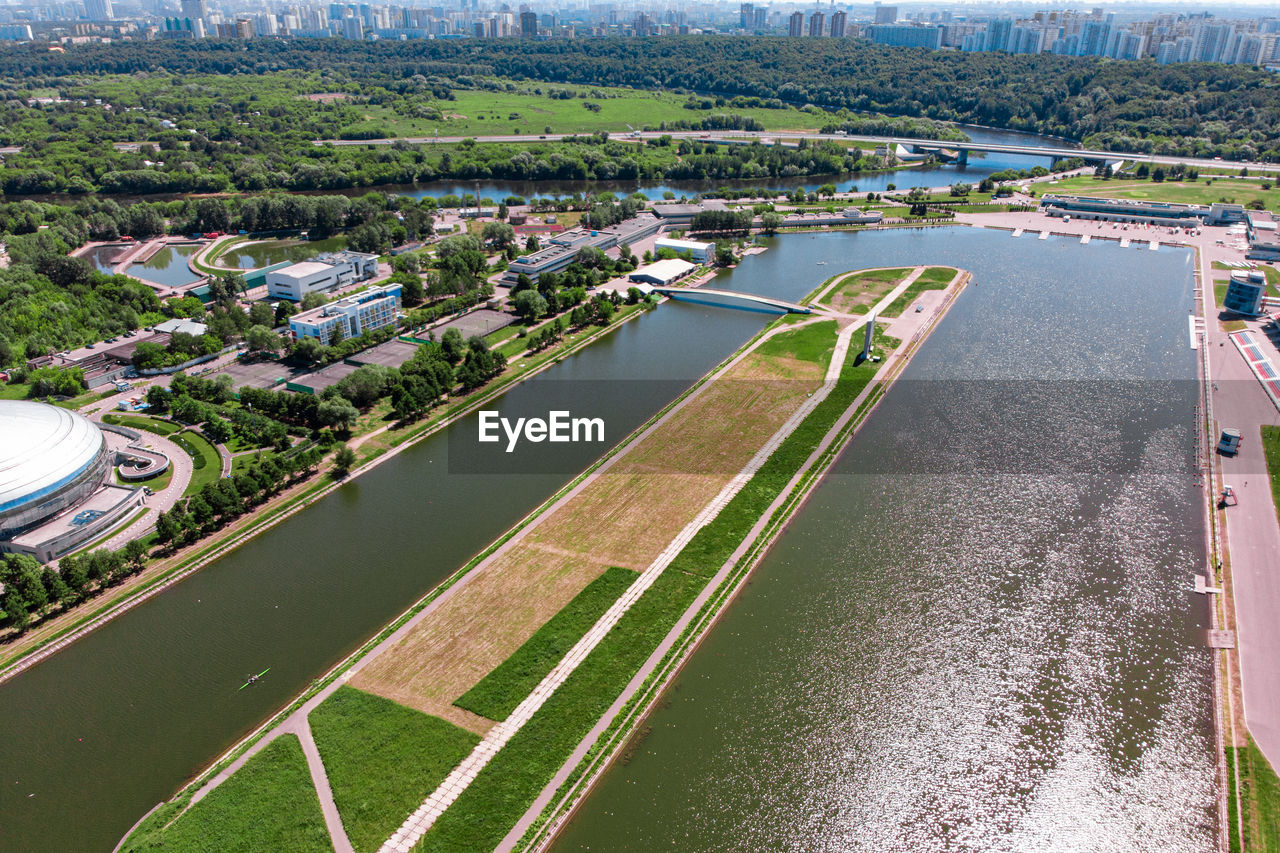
<point>374,309</point>
<point>662,273</point>
<point>325,273</point>
<point>183,325</point>
<point>699,251</point>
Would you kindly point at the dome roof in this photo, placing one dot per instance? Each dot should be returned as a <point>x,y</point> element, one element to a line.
<point>41,448</point>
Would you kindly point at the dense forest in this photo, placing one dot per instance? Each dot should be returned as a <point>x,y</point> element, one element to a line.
<point>1202,109</point>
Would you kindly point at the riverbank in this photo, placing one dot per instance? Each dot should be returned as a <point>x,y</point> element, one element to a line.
<point>56,634</point>
<point>614,735</point>
<point>612,481</point>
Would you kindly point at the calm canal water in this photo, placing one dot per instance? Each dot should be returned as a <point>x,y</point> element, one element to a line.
<point>168,266</point>
<point>109,727</point>
<point>978,635</point>
<point>255,255</point>
<point>104,730</point>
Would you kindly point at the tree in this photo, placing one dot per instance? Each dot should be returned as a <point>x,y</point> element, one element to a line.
<point>217,430</point>
<point>167,529</point>
<point>771,222</point>
<point>498,234</point>
<point>261,314</point>
<point>530,305</point>
<point>262,339</point>
<point>338,414</point>
<point>343,461</point>
<point>313,299</point>
<point>453,345</point>
<point>531,243</point>
<point>135,554</point>
<point>308,349</point>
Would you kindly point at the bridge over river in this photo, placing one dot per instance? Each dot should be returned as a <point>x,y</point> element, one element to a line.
<point>733,299</point>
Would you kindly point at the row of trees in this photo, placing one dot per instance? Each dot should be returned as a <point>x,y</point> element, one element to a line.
<point>222,501</point>
<point>33,592</point>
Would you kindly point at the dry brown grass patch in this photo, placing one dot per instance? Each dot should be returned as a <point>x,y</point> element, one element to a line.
<point>624,517</point>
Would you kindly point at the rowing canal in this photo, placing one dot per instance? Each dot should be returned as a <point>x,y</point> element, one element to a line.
<point>985,646</point>
<point>979,634</point>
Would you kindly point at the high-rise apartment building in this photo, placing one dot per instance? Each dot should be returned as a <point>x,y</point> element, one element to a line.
<point>98,10</point>
<point>838,22</point>
<point>795,24</point>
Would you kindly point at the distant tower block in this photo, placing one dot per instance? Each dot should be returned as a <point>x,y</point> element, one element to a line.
<point>871,331</point>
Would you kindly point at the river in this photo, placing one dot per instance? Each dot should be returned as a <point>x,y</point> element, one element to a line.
<point>102,731</point>
<point>979,634</point>
<point>107,728</point>
<point>928,176</point>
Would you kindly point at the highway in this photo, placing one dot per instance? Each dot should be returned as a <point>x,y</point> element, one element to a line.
<point>736,135</point>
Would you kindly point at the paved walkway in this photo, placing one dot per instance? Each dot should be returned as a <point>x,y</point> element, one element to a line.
<point>553,787</point>
<point>418,823</point>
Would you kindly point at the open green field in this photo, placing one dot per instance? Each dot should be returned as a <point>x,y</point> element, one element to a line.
<point>499,692</point>
<point>270,804</point>
<point>525,111</point>
<point>1182,192</point>
<point>1260,795</point>
<point>857,292</point>
<point>934,278</point>
<point>382,759</point>
<point>484,812</point>
<point>206,466</point>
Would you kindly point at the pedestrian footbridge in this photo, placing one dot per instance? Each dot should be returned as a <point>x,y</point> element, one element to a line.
<point>733,299</point>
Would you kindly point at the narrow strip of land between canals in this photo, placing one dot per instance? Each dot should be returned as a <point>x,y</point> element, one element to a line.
<point>569,787</point>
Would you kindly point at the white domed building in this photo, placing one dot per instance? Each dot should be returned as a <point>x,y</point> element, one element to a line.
<point>54,494</point>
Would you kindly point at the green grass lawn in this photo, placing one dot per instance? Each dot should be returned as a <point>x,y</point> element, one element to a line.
<point>1271,449</point>
<point>484,113</point>
<point>1260,795</point>
<point>1184,192</point>
<point>382,759</point>
<point>270,804</point>
<point>933,278</point>
<point>156,425</point>
<point>206,465</point>
<point>483,813</point>
<point>498,693</point>
<point>14,391</point>
<point>813,343</point>
<point>1219,293</point>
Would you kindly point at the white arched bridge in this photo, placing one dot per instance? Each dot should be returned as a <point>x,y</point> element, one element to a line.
<point>733,299</point>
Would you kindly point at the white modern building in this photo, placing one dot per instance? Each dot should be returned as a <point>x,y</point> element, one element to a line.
<point>53,491</point>
<point>699,251</point>
<point>376,308</point>
<point>1245,293</point>
<point>325,273</point>
<point>662,273</point>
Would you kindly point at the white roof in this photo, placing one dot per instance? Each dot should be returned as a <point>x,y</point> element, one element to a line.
<point>303,268</point>
<point>41,446</point>
<point>682,244</point>
<point>182,324</point>
<point>665,270</point>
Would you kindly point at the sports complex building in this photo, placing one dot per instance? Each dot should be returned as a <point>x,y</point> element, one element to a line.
<point>55,494</point>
